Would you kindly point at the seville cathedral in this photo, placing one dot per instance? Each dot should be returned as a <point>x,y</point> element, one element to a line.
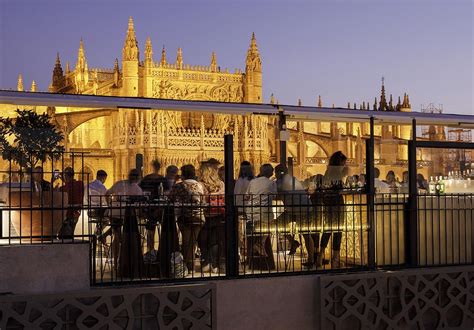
<point>112,138</point>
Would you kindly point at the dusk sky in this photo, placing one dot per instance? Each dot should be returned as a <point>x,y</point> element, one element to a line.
<point>339,49</point>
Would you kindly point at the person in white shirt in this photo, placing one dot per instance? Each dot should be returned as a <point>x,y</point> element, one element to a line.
<point>296,202</point>
<point>96,190</point>
<point>246,175</point>
<point>261,191</point>
<point>94,197</point>
<point>241,185</point>
<point>380,186</point>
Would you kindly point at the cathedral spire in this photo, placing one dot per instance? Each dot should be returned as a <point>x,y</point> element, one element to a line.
<point>383,101</point>
<point>163,56</point>
<point>58,80</point>
<point>253,74</point>
<point>253,61</point>
<point>320,102</point>
<point>81,71</point>
<point>148,51</point>
<point>19,85</point>
<point>406,102</point>
<point>130,50</point>
<point>116,72</point>
<point>33,86</point>
<point>375,104</point>
<point>179,58</point>
<point>81,63</point>
<point>390,103</point>
<point>68,69</point>
<point>272,99</point>
<point>300,103</point>
<point>213,62</point>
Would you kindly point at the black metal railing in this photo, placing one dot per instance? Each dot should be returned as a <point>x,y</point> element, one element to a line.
<point>140,239</point>
<point>38,204</point>
<point>170,238</point>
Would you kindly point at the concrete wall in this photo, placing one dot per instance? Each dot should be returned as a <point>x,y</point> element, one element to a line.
<point>47,268</point>
<point>287,302</point>
<point>430,298</point>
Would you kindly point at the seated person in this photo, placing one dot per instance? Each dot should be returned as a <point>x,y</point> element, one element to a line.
<point>75,196</point>
<point>95,198</point>
<point>261,191</point>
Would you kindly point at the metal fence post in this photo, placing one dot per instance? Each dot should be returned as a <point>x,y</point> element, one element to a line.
<point>281,137</point>
<point>231,221</point>
<point>370,186</point>
<point>411,228</point>
<point>290,166</point>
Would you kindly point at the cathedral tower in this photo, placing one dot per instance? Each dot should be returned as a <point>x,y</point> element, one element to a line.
<point>130,57</point>
<point>253,74</point>
<point>81,70</point>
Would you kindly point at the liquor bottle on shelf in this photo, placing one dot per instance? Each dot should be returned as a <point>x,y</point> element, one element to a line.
<point>442,185</point>
<point>432,186</point>
<point>437,185</point>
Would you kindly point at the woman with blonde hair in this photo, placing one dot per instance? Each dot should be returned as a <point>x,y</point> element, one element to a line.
<point>212,235</point>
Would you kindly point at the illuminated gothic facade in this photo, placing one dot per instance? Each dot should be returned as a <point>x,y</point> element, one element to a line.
<point>113,137</point>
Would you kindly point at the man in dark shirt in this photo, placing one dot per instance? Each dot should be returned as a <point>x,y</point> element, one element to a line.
<point>151,184</point>
<point>38,184</point>
<point>75,196</point>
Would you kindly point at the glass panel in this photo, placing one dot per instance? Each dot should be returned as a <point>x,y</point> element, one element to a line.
<point>449,171</point>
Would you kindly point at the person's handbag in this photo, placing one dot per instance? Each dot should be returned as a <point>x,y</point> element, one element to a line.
<point>216,205</point>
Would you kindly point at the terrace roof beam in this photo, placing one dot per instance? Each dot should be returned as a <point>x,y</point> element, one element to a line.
<point>292,112</point>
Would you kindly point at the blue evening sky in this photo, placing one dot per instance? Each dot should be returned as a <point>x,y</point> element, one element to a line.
<point>339,49</point>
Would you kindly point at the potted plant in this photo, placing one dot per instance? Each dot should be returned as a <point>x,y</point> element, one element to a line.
<point>31,139</point>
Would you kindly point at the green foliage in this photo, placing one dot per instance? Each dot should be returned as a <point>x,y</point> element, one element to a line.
<point>29,138</point>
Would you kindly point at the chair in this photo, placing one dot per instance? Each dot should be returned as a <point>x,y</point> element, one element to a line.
<point>103,248</point>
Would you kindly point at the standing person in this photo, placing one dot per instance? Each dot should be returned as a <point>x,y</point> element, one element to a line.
<point>380,186</point>
<point>334,208</point>
<point>171,176</point>
<point>312,239</point>
<point>296,202</point>
<point>212,238</point>
<point>214,163</point>
<point>75,195</point>
<point>246,174</point>
<point>391,180</point>
<point>151,183</point>
<point>188,195</point>
<point>38,183</point>
<point>155,185</point>
<point>221,173</point>
<point>261,191</point>
<point>421,182</point>
<point>404,185</point>
<point>117,214</point>
<point>362,181</point>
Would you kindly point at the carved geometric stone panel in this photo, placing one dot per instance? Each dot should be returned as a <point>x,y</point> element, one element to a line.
<point>177,307</point>
<point>410,299</point>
